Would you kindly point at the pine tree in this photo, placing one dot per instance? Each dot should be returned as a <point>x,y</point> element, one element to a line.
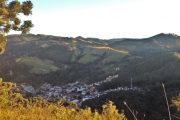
<point>9,18</point>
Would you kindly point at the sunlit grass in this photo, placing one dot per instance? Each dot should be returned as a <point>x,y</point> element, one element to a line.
<point>14,107</point>
<point>37,65</point>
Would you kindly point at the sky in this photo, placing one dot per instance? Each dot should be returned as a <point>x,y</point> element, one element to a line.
<point>105,18</point>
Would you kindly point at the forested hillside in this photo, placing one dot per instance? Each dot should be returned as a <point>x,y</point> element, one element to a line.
<point>36,59</point>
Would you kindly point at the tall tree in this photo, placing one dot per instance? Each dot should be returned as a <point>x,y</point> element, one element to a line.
<point>9,18</point>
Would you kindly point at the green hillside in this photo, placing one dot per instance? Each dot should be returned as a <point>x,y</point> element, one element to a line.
<point>39,59</point>
<point>60,60</point>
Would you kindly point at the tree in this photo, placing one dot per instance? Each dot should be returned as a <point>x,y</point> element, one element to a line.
<point>9,18</point>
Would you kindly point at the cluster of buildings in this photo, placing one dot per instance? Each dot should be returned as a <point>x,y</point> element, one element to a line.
<point>108,79</point>
<point>73,92</point>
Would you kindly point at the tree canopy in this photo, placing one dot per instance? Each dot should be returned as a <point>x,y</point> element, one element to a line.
<point>9,18</point>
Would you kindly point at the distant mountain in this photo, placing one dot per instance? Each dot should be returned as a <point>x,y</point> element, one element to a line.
<point>36,59</point>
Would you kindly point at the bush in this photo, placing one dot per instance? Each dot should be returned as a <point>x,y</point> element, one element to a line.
<point>14,106</point>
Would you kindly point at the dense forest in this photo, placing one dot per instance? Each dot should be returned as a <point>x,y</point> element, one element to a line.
<point>147,104</point>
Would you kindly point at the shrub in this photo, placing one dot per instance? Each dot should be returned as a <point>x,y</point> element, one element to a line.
<point>14,106</point>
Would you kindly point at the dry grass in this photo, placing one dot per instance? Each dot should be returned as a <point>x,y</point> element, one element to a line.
<point>14,107</point>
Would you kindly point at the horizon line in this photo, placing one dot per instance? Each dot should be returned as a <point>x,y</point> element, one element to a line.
<point>95,37</point>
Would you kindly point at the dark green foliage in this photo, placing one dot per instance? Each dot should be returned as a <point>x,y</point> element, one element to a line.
<point>9,18</point>
<point>148,104</point>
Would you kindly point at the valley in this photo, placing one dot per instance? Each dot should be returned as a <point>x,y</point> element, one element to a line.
<point>72,92</point>
<point>91,71</point>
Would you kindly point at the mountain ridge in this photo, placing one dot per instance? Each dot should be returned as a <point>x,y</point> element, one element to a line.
<point>60,60</point>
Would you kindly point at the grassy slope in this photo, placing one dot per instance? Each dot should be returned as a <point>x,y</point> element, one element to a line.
<point>82,59</point>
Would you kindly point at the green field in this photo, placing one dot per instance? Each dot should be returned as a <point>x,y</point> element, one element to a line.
<point>37,65</point>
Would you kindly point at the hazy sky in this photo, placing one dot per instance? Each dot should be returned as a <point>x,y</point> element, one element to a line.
<point>106,18</point>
